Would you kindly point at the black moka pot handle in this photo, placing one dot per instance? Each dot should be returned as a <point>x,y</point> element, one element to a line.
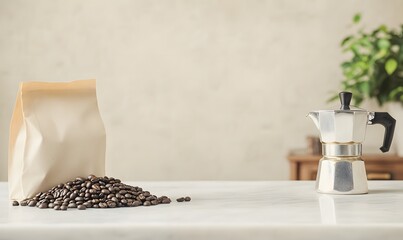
<point>389,123</point>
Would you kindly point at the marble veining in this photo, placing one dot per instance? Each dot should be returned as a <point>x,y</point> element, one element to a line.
<point>222,210</point>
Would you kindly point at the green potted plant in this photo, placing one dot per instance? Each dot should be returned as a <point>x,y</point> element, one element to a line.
<point>374,70</point>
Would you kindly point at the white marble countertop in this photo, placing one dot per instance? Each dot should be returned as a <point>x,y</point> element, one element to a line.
<point>222,210</point>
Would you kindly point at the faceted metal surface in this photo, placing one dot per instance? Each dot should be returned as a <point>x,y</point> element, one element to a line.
<point>336,126</point>
<point>341,176</point>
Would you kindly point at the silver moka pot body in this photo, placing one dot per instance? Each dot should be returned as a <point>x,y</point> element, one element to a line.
<point>341,169</point>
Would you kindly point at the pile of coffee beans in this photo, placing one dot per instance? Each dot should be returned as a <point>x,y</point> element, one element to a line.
<point>93,192</point>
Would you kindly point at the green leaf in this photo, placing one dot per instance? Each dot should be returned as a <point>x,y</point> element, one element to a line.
<point>383,43</point>
<point>390,66</point>
<point>364,88</point>
<point>345,40</point>
<point>395,92</point>
<point>357,18</point>
<point>383,28</point>
<point>382,53</point>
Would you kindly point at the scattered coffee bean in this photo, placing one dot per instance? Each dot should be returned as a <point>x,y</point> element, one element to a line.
<point>15,203</point>
<point>187,199</point>
<point>181,199</point>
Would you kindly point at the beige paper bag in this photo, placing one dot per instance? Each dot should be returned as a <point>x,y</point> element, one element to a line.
<point>56,134</point>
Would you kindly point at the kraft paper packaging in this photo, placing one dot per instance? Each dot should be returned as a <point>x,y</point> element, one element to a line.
<point>56,135</point>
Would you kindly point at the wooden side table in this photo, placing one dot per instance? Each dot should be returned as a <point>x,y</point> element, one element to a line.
<point>379,166</point>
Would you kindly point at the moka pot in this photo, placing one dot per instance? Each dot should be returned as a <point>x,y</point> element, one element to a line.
<point>341,169</point>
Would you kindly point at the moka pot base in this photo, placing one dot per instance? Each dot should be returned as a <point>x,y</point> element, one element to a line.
<point>341,170</point>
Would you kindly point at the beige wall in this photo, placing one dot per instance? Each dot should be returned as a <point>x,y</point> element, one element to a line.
<point>188,89</point>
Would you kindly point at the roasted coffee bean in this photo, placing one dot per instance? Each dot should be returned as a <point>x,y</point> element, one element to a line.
<point>80,179</point>
<point>15,203</point>
<point>141,197</point>
<point>187,199</point>
<point>111,204</point>
<point>24,203</point>
<point>63,208</point>
<point>147,203</point>
<point>166,200</point>
<point>65,191</point>
<point>79,199</point>
<point>96,187</point>
<point>127,195</point>
<point>43,205</point>
<point>51,205</point>
<point>87,204</point>
<point>90,177</point>
<point>50,196</point>
<point>103,205</point>
<point>56,207</point>
<point>154,202</point>
<point>181,199</point>
<point>32,203</point>
<point>105,191</point>
<point>81,207</point>
<point>150,198</point>
<point>72,205</point>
